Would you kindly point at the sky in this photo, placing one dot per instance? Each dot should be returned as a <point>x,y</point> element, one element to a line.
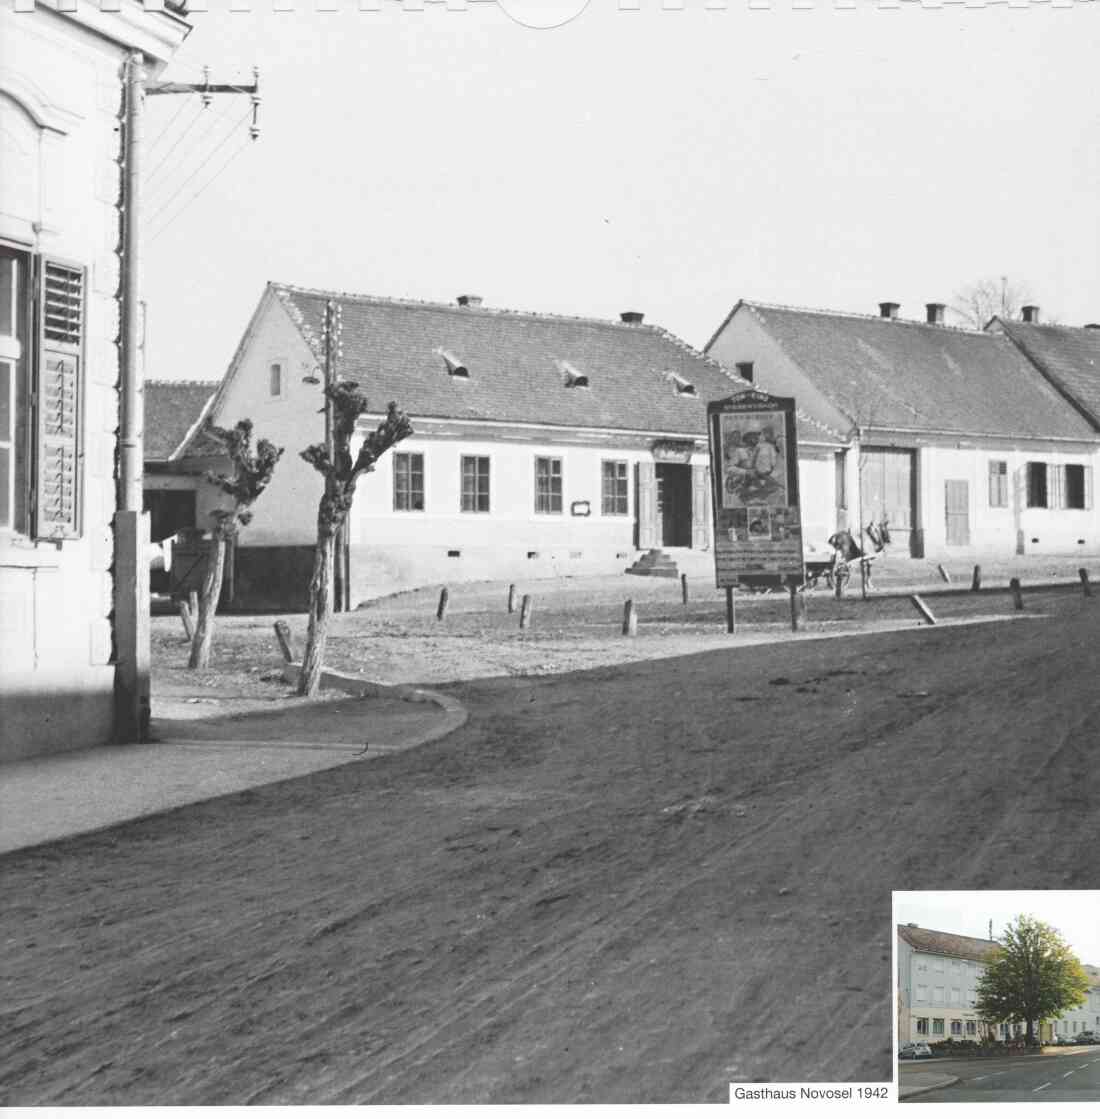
<point>1074,913</point>
<point>656,160</point>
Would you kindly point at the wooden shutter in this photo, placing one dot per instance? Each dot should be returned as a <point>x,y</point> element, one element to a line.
<point>700,506</point>
<point>648,534</point>
<point>59,375</point>
<point>1056,497</point>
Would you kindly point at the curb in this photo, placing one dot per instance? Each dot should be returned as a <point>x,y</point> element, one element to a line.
<point>455,715</point>
<point>945,1082</point>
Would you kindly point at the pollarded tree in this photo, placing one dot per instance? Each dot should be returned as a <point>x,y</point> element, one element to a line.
<point>1031,976</point>
<point>341,476</point>
<point>249,474</point>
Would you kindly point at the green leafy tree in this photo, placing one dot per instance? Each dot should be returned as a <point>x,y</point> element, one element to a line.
<point>341,476</point>
<point>1032,975</point>
<point>248,476</point>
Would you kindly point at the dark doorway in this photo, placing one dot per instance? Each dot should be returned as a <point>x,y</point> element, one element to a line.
<point>674,504</point>
<point>169,511</point>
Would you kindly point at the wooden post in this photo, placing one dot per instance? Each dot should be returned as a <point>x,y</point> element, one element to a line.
<point>188,620</point>
<point>731,617</point>
<point>193,601</point>
<point>798,607</point>
<point>1085,582</point>
<point>684,589</point>
<point>1017,593</point>
<point>976,582</point>
<point>511,598</point>
<point>444,595</point>
<point>922,609</point>
<point>525,612</point>
<point>630,619</point>
<point>282,635</point>
<point>838,583</point>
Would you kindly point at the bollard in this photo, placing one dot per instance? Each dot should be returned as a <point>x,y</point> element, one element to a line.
<point>922,609</point>
<point>976,582</point>
<point>838,584</point>
<point>1017,592</point>
<point>444,595</point>
<point>1085,582</point>
<point>193,603</point>
<point>282,635</point>
<point>731,617</point>
<point>684,589</point>
<point>511,598</point>
<point>188,620</point>
<point>525,612</point>
<point>798,608</point>
<point>630,619</point>
<point>943,573</point>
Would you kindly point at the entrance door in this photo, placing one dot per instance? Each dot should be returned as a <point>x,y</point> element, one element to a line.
<point>957,511</point>
<point>674,504</point>
<point>888,486</point>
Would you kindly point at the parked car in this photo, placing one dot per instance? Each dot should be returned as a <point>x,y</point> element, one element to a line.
<point>914,1050</point>
<point>1086,1038</point>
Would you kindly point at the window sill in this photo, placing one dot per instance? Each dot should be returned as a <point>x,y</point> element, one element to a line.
<point>18,551</point>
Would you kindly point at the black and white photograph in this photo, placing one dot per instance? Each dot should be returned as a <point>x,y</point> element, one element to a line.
<point>524,525</point>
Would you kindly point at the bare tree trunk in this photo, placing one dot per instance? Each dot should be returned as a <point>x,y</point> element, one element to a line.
<point>320,610</point>
<point>208,604</point>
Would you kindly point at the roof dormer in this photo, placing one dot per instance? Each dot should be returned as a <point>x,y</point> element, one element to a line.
<point>574,378</point>
<point>455,367</point>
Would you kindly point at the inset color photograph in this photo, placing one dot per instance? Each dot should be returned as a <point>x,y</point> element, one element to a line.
<point>996,998</point>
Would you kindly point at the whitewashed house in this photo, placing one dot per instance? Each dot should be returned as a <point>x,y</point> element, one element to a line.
<point>955,436</point>
<point>543,444</point>
<point>61,89</point>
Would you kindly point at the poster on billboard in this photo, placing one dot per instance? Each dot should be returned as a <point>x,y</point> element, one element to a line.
<point>754,465</point>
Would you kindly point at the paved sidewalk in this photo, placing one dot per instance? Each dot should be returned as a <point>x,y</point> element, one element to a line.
<point>55,796</point>
<point>912,1082</point>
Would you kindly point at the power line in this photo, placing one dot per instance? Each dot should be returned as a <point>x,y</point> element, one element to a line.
<point>168,154</point>
<point>168,127</point>
<point>175,194</point>
<point>202,190</point>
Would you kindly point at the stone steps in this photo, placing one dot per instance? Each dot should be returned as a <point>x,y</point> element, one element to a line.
<point>654,562</point>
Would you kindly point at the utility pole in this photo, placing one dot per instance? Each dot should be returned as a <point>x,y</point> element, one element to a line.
<point>331,336</point>
<point>131,561</point>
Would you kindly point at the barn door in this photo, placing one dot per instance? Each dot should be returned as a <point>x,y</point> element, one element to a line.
<point>700,506</point>
<point>957,511</point>
<point>649,529</point>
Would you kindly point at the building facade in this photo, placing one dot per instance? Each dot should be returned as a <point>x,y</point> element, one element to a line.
<point>938,975</point>
<point>61,91</point>
<point>955,437</point>
<point>542,445</point>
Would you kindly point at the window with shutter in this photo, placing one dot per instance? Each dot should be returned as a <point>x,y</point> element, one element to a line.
<point>59,375</point>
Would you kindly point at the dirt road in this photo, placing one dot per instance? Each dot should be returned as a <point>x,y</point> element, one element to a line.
<point>631,884</point>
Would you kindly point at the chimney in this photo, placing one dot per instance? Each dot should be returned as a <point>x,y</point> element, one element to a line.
<point>889,310</point>
<point>1030,313</point>
<point>935,313</point>
<point>632,317</point>
<point>469,300</point>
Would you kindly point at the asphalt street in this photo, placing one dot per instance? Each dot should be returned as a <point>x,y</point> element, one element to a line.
<point>1071,1074</point>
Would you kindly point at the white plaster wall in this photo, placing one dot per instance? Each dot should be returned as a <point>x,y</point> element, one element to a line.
<point>998,531</point>
<point>56,677</point>
<point>409,548</point>
<point>286,513</point>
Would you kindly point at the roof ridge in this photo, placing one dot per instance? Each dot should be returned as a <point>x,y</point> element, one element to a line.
<point>864,316</point>
<point>481,310</point>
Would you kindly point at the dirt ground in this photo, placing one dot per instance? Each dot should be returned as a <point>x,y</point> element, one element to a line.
<point>628,884</point>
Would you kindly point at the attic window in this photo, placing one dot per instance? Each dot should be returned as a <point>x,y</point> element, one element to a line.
<point>455,367</point>
<point>682,385</point>
<point>574,378</point>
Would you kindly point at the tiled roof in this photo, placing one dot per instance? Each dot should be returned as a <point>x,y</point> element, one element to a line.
<point>946,944</point>
<point>893,373</point>
<point>1068,355</point>
<point>171,409</point>
<point>519,364</point>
